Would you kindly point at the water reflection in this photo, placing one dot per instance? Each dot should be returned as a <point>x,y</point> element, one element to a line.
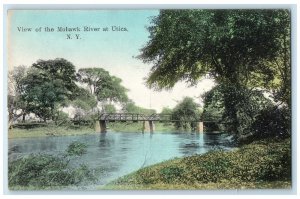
<point>104,141</point>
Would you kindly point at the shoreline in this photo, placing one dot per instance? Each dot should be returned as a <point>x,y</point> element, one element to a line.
<point>52,130</point>
<point>200,172</point>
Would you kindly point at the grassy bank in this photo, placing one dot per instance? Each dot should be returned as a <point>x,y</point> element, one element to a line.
<point>260,165</point>
<point>52,130</point>
<point>49,130</point>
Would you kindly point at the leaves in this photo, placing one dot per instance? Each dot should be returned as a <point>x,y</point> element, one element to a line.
<point>103,85</point>
<point>187,112</point>
<point>48,84</point>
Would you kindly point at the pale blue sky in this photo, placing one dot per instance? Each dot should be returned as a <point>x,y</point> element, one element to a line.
<point>113,51</point>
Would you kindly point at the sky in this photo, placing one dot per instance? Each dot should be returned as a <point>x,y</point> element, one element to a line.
<point>115,51</point>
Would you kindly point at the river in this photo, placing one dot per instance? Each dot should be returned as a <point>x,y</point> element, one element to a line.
<point>115,154</point>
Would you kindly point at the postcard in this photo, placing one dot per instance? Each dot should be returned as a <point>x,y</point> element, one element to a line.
<point>149,99</point>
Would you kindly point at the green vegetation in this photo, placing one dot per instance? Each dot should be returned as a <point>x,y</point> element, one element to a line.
<point>244,51</point>
<point>131,107</point>
<point>263,164</point>
<point>48,130</point>
<point>42,171</point>
<point>186,110</point>
<point>43,130</point>
<point>101,84</point>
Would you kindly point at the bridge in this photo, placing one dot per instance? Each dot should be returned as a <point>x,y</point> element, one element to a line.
<point>148,120</point>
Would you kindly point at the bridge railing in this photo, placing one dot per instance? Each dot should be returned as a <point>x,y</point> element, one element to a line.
<point>152,117</point>
<point>138,117</point>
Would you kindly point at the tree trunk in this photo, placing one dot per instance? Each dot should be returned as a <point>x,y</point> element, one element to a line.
<point>23,117</point>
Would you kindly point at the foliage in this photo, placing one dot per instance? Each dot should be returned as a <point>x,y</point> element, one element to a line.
<point>42,171</point>
<point>109,108</point>
<point>130,107</point>
<point>166,110</point>
<point>15,90</point>
<point>84,99</point>
<point>61,118</point>
<point>47,85</point>
<point>228,44</point>
<point>245,105</point>
<point>103,85</point>
<point>187,113</point>
<point>238,48</point>
<point>264,162</point>
<point>44,130</point>
<point>60,70</point>
<point>171,173</point>
<point>273,122</point>
<point>76,149</point>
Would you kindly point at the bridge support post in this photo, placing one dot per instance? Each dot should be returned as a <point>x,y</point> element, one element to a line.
<point>97,127</point>
<point>102,126</point>
<point>200,127</point>
<point>148,126</point>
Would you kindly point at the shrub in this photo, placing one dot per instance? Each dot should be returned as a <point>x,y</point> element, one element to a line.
<point>76,149</point>
<point>272,122</point>
<point>42,170</point>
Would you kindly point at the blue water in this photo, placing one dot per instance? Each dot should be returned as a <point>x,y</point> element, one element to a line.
<point>116,154</point>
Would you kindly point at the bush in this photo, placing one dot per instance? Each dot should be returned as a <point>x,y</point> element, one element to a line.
<point>272,122</point>
<point>77,149</point>
<point>42,170</point>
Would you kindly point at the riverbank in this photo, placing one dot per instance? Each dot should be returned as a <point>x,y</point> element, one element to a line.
<point>260,165</point>
<point>52,130</point>
<point>49,130</point>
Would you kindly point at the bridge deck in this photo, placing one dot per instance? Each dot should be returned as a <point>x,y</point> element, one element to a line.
<point>135,117</point>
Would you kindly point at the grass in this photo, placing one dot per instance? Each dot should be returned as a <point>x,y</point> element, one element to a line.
<point>49,130</point>
<point>260,165</point>
<point>52,130</point>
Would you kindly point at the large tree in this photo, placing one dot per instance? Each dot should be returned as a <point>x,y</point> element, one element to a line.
<point>227,44</point>
<point>235,47</point>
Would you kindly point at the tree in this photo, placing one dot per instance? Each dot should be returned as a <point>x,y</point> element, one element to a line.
<point>84,103</point>
<point>93,77</point>
<point>232,46</point>
<point>104,86</point>
<point>16,107</point>
<point>84,100</point>
<point>166,110</point>
<point>47,85</point>
<point>109,108</point>
<point>111,90</point>
<point>249,104</point>
<point>187,113</point>
<point>131,107</point>
<point>61,70</point>
<point>227,44</point>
